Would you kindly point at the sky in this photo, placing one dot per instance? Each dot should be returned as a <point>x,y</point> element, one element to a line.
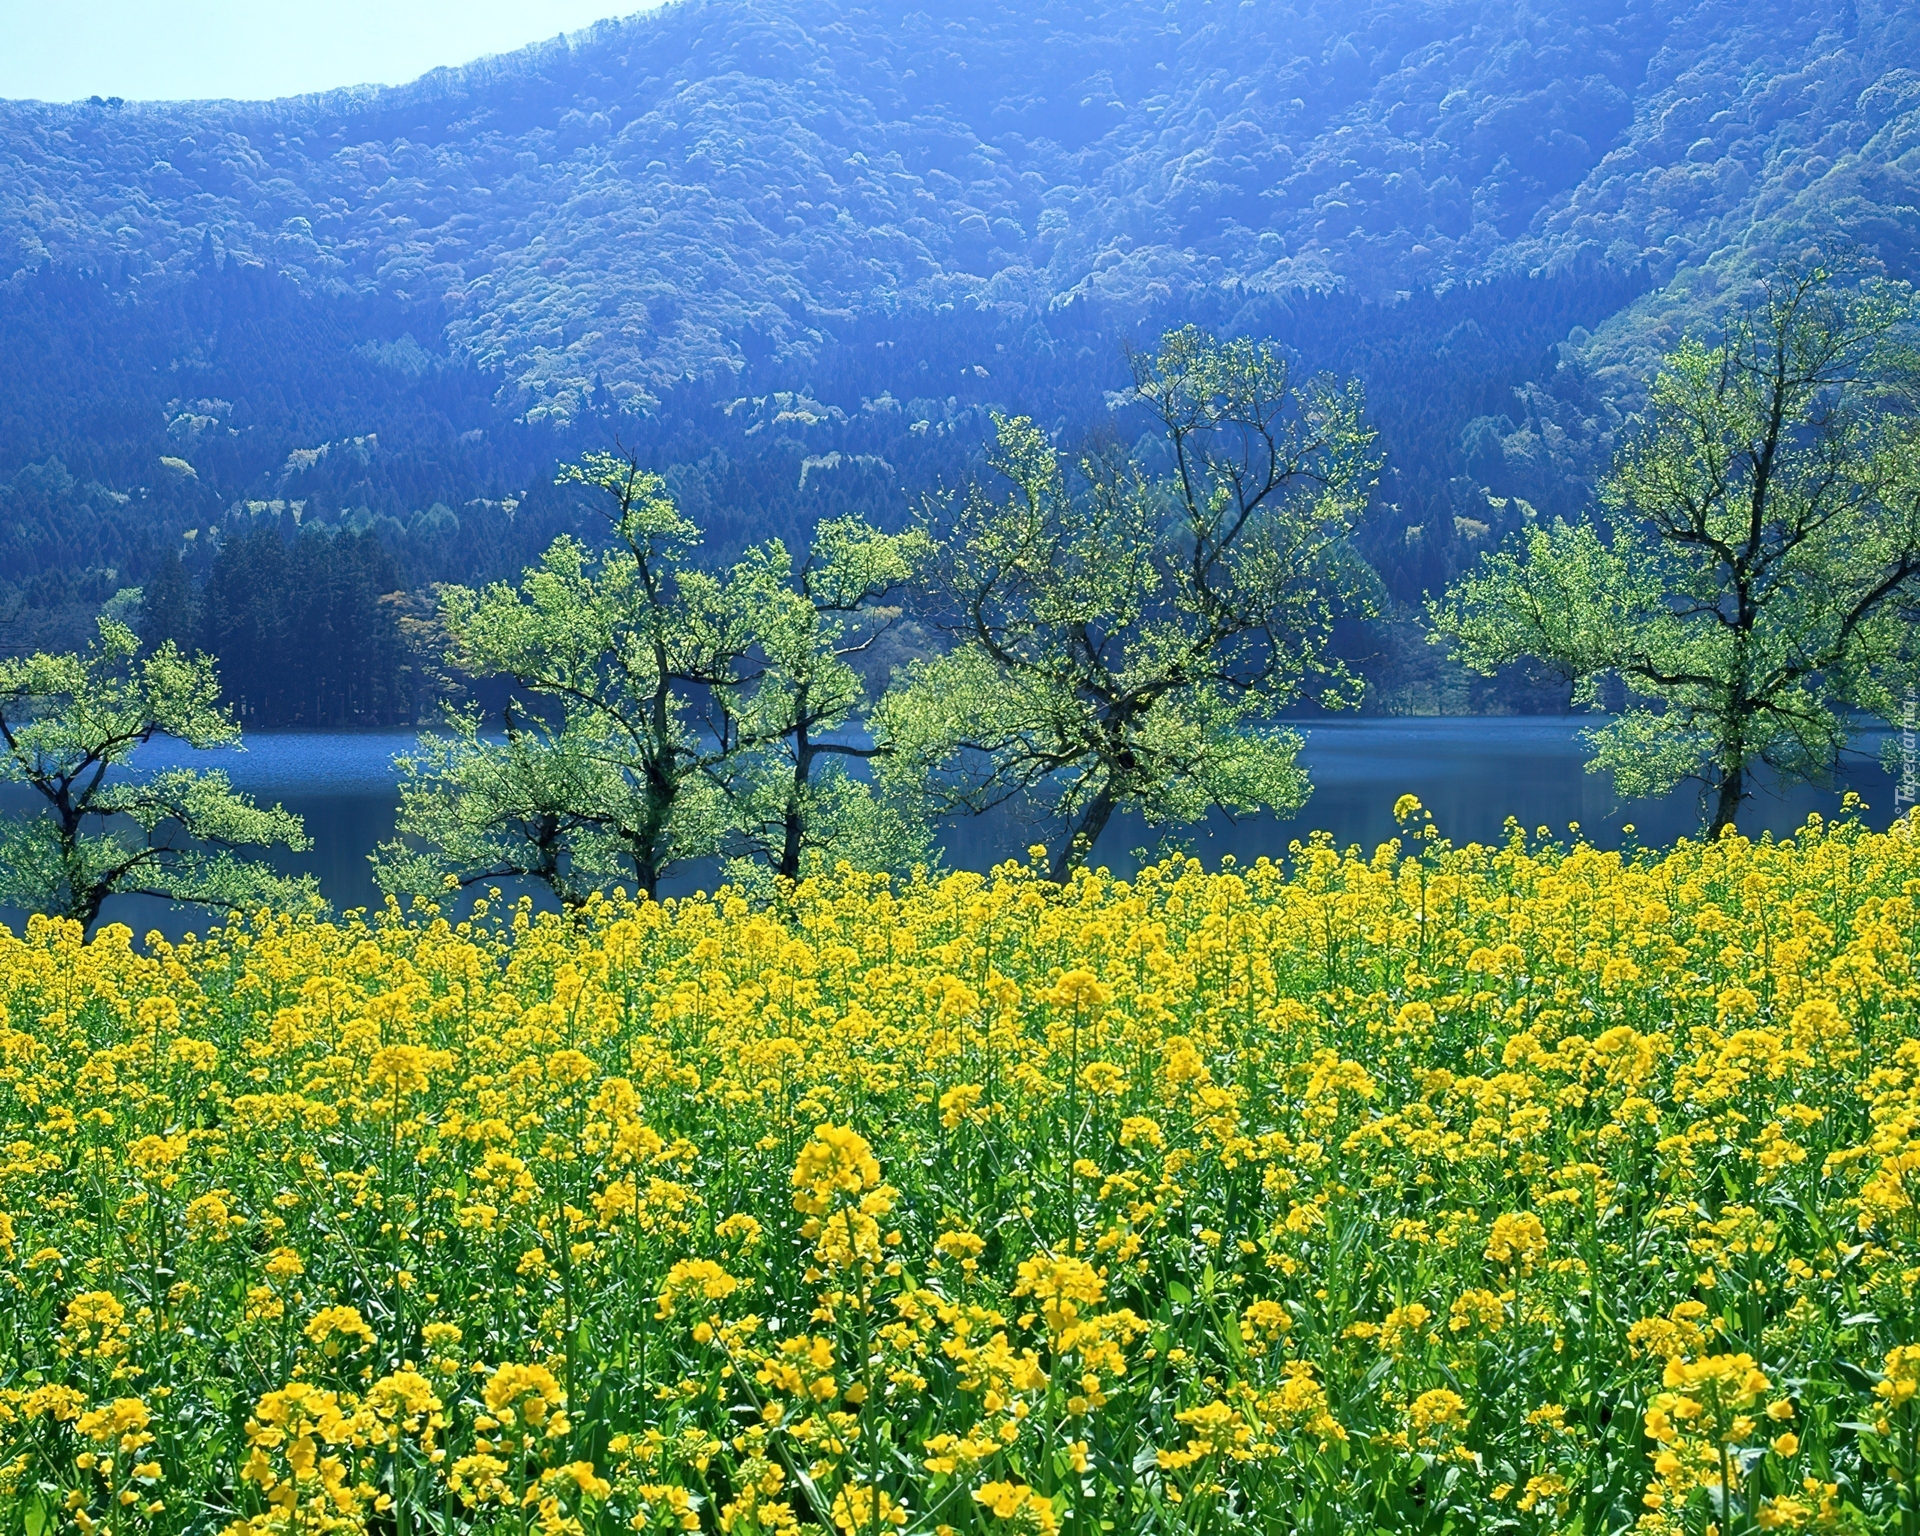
<point>164,50</point>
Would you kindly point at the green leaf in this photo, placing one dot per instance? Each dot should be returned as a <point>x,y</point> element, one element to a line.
<point>1130,625</point>
<point>1862,1381</point>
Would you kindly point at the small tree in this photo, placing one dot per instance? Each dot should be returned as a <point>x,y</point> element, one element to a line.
<point>1757,538</point>
<point>1126,628</point>
<point>70,724</point>
<point>534,805</point>
<point>613,659</point>
<point>795,804</point>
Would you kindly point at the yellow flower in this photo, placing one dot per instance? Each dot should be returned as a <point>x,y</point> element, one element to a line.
<point>398,1071</point>
<point>1900,1379</point>
<point>838,1160</point>
<point>855,1510</point>
<point>284,1264</point>
<point>1435,1412</point>
<point>209,1218</point>
<point>1263,1324</point>
<point>1544,1490</point>
<point>333,1328</point>
<point>1517,1239</point>
<point>1478,1310</point>
<point>701,1277</point>
<point>1078,989</point>
<point>1422,1117</point>
<point>959,1104</point>
<point>1062,1285</point>
<point>1403,1326</point>
<point>95,1327</point>
<point>1018,1503</point>
<point>528,1394</point>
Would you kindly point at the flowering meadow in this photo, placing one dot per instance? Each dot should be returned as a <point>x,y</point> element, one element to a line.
<point>1530,1188</point>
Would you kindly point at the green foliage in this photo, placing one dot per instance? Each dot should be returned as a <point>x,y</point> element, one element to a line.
<point>838,820</point>
<point>1762,536</point>
<point>1768,132</point>
<point>797,809</point>
<point>610,656</point>
<point>800,252</point>
<point>661,712</point>
<point>475,810</point>
<point>672,194</point>
<point>307,630</point>
<point>1121,636</point>
<point>70,724</point>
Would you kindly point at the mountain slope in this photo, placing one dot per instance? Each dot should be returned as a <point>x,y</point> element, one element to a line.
<point>712,184</point>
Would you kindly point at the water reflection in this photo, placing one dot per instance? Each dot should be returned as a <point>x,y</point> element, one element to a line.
<point>1472,773</point>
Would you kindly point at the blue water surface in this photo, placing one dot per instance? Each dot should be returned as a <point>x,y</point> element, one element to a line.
<point>1473,773</point>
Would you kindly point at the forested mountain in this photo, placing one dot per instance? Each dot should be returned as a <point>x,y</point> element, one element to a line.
<point>797,251</point>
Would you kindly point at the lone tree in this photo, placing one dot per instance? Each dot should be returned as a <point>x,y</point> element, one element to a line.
<point>1126,628</point>
<point>1757,541</point>
<point>69,724</point>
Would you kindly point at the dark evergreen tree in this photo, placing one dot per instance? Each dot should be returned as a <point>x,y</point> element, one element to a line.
<point>307,631</point>
<point>169,606</point>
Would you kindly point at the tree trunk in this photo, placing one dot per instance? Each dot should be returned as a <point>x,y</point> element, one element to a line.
<point>789,866</point>
<point>644,846</point>
<point>793,827</point>
<point>85,907</point>
<point>1081,837</point>
<point>1731,791</point>
<point>545,865</point>
<point>662,788</point>
<point>84,900</point>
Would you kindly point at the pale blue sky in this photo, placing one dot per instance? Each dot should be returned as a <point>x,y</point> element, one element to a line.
<point>146,50</point>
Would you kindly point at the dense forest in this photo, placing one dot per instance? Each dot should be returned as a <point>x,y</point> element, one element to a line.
<point>282,367</point>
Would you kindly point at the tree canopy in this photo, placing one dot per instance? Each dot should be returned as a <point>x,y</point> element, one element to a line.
<point>1125,625</point>
<point>700,184</point>
<point>614,658</point>
<point>69,724</point>
<point>1758,549</point>
<point>800,253</point>
<point>795,805</point>
<point>660,711</point>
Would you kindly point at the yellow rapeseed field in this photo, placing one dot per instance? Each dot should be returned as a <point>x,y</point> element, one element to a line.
<point>1517,1188</point>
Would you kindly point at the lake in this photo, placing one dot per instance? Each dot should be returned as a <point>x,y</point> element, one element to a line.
<point>1472,773</point>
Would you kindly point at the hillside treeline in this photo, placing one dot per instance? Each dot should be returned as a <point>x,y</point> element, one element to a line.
<point>796,256</point>
<point>704,185</point>
<point>380,469</point>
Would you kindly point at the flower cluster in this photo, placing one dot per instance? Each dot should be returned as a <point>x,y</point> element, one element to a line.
<point>1529,1187</point>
